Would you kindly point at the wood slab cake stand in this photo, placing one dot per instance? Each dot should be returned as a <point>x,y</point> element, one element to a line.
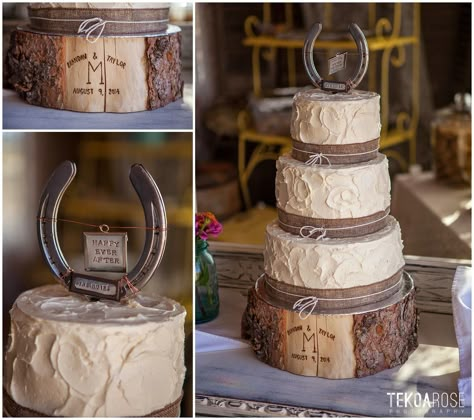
<point>333,344</point>
<point>113,74</point>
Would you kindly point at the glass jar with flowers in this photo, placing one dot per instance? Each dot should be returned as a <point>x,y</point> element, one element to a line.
<point>207,293</point>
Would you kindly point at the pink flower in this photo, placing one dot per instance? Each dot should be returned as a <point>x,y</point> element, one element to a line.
<point>206,224</point>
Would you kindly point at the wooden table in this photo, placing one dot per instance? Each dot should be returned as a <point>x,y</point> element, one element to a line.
<point>233,382</point>
<point>18,115</point>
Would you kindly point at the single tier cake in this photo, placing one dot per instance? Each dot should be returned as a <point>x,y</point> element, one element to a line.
<point>71,357</point>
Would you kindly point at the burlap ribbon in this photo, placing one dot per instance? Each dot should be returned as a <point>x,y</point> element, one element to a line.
<point>98,22</point>
<point>309,227</point>
<point>287,295</point>
<point>12,409</point>
<point>335,154</point>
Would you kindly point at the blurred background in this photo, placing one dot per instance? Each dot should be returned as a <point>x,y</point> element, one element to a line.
<point>249,65</point>
<point>100,193</point>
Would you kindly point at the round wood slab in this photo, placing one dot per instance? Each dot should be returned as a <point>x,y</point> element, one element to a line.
<point>114,74</point>
<point>334,344</point>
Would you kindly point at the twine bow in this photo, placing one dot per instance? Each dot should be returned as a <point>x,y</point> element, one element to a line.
<point>89,26</point>
<point>130,286</point>
<point>301,305</point>
<point>308,231</point>
<point>317,159</point>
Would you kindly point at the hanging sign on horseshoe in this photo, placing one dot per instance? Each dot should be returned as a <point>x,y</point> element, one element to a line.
<point>336,86</point>
<point>111,247</point>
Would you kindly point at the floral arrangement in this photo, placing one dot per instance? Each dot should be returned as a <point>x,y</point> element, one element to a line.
<point>206,224</point>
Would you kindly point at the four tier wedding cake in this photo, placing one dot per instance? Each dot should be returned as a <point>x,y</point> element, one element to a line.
<point>334,301</point>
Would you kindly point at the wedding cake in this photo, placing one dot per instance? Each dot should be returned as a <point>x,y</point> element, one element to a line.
<point>334,301</point>
<point>97,57</point>
<point>93,345</point>
<point>69,357</point>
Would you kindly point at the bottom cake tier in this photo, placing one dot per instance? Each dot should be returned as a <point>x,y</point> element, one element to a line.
<point>333,344</point>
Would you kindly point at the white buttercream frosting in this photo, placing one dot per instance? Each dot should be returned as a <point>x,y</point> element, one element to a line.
<point>320,117</point>
<point>71,357</point>
<point>99,5</point>
<point>332,192</point>
<point>333,263</point>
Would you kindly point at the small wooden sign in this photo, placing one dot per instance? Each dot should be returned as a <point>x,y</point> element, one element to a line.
<point>105,251</point>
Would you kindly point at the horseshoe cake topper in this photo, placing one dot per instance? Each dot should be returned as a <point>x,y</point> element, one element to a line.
<point>359,73</point>
<point>97,287</point>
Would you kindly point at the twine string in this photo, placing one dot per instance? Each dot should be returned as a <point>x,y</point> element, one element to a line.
<point>47,219</point>
<point>131,287</point>
<point>317,158</point>
<point>311,230</point>
<point>301,305</point>
<point>308,231</point>
<point>89,26</point>
<point>305,302</point>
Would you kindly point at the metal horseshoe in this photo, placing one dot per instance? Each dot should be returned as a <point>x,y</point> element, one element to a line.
<point>359,73</point>
<point>92,286</point>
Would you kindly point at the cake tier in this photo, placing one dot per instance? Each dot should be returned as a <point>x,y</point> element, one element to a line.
<point>332,192</point>
<point>333,263</point>
<point>71,357</point>
<point>320,117</point>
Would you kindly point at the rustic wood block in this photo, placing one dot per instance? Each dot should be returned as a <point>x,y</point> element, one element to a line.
<point>335,344</point>
<point>114,74</point>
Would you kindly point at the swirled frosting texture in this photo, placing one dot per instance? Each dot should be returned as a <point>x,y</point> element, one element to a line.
<point>70,357</point>
<point>332,192</point>
<point>319,117</point>
<point>333,263</point>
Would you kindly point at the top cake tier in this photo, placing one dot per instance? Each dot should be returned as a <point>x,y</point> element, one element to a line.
<point>324,118</point>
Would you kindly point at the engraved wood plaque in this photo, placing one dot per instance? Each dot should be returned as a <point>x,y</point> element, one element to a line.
<point>105,251</point>
<point>355,343</point>
<point>114,74</point>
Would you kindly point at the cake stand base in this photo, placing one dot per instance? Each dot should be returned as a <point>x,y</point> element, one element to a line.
<point>112,74</point>
<point>333,344</point>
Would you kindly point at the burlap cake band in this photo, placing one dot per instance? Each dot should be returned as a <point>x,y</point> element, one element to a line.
<point>93,23</point>
<point>301,298</point>
<point>335,154</point>
<point>12,409</point>
<point>308,227</point>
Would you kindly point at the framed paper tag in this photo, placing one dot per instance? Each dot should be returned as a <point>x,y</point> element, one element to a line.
<point>337,63</point>
<point>105,251</point>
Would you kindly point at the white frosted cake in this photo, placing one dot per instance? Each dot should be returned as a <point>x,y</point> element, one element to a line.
<point>335,119</point>
<point>333,301</point>
<point>333,263</point>
<point>334,230</point>
<point>74,358</point>
<point>332,191</point>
